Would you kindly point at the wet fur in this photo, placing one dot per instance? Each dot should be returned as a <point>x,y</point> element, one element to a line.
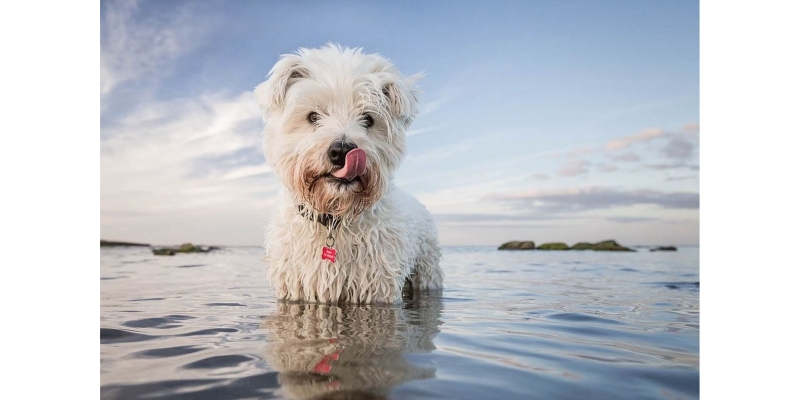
<point>386,237</point>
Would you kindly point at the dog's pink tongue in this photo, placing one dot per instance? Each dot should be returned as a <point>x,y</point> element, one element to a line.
<point>355,164</point>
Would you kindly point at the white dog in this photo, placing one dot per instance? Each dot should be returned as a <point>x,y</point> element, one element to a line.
<point>335,122</point>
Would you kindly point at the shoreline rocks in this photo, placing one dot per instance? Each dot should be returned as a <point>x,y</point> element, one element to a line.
<point>582,246</point>
<point>553,246</point>
<point>610,245</point>
<point>527,245</point>
<point>664,248</point>
<point>164,252</point>
<point>111,243</point>
<point>606,245</point>
<point>184,248</point>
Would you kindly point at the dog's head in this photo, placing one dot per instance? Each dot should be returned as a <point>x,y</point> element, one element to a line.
<point>335,125</point>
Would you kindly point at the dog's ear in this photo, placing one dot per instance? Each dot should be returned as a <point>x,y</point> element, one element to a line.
<point>272,93</point>
<point>402,95</point>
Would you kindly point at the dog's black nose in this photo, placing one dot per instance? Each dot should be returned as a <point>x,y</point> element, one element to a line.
<point>338,151</point>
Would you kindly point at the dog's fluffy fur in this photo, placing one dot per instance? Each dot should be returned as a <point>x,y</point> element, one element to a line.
<point>385,237</point>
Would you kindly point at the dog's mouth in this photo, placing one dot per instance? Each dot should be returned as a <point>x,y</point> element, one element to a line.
<point>349,175</point>
<point>340,183</point>
<point>355,165</point>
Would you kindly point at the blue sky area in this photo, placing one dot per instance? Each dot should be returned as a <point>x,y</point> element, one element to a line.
<point>541,120</point>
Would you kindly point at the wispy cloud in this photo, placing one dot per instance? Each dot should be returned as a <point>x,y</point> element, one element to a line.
<point>626,157</point>
<point>469,198</point>
<point>678,148</point>
<point>680,144</point>
<point>667,150</point>
<point>451,90</point>
<point>643,136</point>
<point>574,168</point>
<point>692,127</point>
<point>441,153</point>
<point>179,161</point>
<point>594,198</point>
<point>630,220</point>
<point>667,166</point>
<point>431,106</point>
<point>680,178</point>
<point>426,129</point>
<point>607,167</point>
<point>579,152</point>
<point>135,44</point>
<point>496,217</point>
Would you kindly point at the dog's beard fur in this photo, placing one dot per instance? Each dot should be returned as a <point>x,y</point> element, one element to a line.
<point>327,194</point>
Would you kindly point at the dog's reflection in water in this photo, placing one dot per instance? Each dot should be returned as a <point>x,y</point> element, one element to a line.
<point>330,351</point>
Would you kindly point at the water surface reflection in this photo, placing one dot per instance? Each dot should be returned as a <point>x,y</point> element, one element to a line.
<point>324,351</point>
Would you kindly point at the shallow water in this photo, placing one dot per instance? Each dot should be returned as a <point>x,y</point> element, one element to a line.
<point>509,325</point>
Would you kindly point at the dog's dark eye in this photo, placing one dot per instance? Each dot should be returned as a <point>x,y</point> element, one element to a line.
<point>367,121</point>
<point>313,118</point>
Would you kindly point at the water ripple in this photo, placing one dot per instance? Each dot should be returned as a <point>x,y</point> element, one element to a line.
<point>170,321</point>
<point>218,362</point>
<point>569,325</point>
<point>111,335</point>
<point>584,318</point>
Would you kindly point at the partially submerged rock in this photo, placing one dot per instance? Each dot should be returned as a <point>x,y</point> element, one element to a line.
<point>164,252</point>
<point>664,248</point>
<point>607,245</point>
<point>190,248</point>
<point>582,246</point>
<point>184,248</point>
<point>514,245</point>
<point>110,243</point>
<point>527,245</point>
<point>610,245</point>
<point>553,246</point>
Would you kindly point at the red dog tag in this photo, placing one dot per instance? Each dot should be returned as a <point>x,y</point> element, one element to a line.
<point>324,366</point>
<point>329,253</point>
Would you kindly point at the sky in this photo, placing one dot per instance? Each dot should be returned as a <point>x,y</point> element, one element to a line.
<point>540,120</point>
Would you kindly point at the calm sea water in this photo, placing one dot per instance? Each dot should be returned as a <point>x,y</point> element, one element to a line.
<point>509,325</point>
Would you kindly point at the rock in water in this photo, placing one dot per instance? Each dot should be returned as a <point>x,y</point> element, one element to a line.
<point>163,252</point>
<point>184,248</point>
<point>190,248</point>
<point>514,245</point>
<point>582,246</point>
<point>553,246</point>
<point>664,248</point>
<point>110,243</point>
<point>610,245</point>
